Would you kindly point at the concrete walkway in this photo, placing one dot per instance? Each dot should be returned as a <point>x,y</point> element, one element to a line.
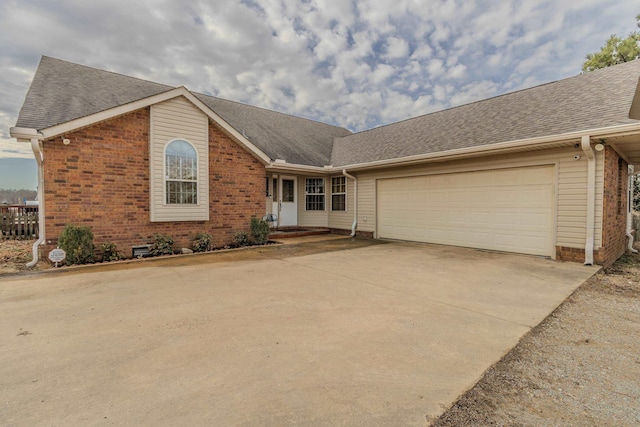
<point>336,332</point>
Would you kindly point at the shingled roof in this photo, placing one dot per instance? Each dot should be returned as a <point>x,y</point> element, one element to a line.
<point>62,91</point>
<point>592,100</point>
<point>281,136</point>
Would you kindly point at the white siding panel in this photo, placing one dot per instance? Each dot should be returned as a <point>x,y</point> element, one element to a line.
<point>366,203</point>
<point>342,219</point>
<point>178,119</point>
<point>313,218</point>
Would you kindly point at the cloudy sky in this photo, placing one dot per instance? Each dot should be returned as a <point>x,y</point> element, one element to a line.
<point>355,64</point>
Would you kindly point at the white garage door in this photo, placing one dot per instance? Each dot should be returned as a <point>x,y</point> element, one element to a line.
<point>504,209</point>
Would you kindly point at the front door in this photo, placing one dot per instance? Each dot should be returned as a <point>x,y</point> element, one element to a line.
<point>287,200</point>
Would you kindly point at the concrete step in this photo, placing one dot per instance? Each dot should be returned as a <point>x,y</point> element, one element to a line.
<point>285,232</point>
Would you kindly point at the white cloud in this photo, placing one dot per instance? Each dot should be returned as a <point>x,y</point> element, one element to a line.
<point>422,52</point>
<point>474,92</point>
<point>330,44</point>
<point>382,73</point>
<point>397,48</point>
<point>10,149</point>
<point>457,71</point>
<point>440,93</point>
<point>435,67</point>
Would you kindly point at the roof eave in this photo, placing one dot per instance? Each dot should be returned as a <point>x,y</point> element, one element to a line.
<point>24,134</point>
<point>284,167</point>
<point>498,148</point>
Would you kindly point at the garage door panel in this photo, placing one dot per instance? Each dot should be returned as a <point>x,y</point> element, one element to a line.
<point>509,209</point>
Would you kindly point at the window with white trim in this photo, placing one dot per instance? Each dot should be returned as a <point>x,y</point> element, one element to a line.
<point>339,193</point>
<point>181,173</point>
<point>314,194</point>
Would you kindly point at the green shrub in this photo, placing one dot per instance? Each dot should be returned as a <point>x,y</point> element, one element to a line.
<point>202,242</point>
<point>77,242</point>
<point>259,231</point>
<point>241,238</point>
<point>162,245</point>
<point>110,252</point>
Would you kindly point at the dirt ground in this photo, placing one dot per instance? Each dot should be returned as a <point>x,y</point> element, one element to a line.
<point>14,254</point>
<point>579,367</point>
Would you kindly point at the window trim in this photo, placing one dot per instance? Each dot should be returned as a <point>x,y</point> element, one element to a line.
<point>323,194</point>
<point>165,125</point>
<point>344,193</point>
<point>165,176</point>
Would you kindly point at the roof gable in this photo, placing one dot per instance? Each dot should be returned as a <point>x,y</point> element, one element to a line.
<point>592,100</point>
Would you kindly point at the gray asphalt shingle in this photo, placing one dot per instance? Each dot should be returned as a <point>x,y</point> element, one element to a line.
<point>62,91</point>
<point>281,136</point>
<point>592,100</point>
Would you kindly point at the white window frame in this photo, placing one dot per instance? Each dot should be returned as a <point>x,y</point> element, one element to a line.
<point>339,193</point>
<point>166,178</point>
<point>315,194</point>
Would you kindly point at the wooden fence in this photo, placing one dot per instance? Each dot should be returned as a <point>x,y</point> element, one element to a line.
<point>18,222</point>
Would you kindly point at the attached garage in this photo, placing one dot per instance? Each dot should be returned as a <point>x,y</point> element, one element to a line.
<point>508,210</point>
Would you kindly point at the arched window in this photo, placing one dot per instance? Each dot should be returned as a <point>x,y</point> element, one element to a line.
<point>181,173</point>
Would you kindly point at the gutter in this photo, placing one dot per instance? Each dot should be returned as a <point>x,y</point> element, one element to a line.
<point>591,198</point>
<point>281,165</point>
<point>502,147</point>
<point>35,138</point>
<point>629,210</point>
<point>355,201</point>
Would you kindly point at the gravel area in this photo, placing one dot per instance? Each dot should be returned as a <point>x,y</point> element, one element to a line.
<point>14,254</point>
<point>579,367</point>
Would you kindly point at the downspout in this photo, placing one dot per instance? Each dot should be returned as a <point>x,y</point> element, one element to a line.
<point>36,146</point>
<point>355,201</point>
<point>629,211</point>
<point>591,198</point>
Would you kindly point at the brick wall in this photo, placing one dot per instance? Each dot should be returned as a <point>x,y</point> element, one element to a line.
<point>564,253</point>
<point>101,179</point>
<point>614,210</point>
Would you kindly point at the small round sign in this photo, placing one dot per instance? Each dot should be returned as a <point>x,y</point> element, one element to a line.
<point>57,255</point>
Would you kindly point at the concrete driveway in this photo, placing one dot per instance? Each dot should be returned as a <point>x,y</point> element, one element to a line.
<point>342,332</point>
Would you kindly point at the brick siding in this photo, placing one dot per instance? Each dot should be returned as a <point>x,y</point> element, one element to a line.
<point>101,180</point>
<point>614,210</point>
<point>564,253</point>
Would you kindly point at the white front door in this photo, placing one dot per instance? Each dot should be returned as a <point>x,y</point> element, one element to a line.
<point>287,199</point>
